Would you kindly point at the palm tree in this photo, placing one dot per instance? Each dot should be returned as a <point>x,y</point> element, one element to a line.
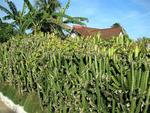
<point>48,6</point>
<point>47,17</point>
<point>12,13</point>
<point>54,16</point>
<point>40,18</point>
<point>15,16</point>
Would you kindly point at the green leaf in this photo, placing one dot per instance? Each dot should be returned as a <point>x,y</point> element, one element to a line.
<point>5,10</point>
<point>13,8</point>
<point>29,5</point>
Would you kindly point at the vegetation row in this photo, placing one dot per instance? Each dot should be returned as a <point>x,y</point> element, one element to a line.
<point>79,75</point>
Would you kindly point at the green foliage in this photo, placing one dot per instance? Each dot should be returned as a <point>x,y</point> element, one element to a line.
<point>18,19</point>
<point>48,16</point>
<point>48,6</point>
<point>6,32</point>
<point>116,25</point>
<point>79,75</point>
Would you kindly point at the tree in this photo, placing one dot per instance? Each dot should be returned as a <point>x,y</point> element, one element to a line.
<point>48,6</point>
<point>15,16</point>
<point>119,25</point>
<point>54,16</point>
<point>116,25</point>
<point>6,31</point>
<point>48,16</point>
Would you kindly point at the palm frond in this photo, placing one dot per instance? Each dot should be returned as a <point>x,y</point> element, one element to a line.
<point>66,6</point>
<point>60,24</point>
<point>25,25</point>
<point>29,5</point>
<point>13,8</point>
<point>8,17</point>
<point>44,1</point>
<point>82,19</point>
<point>4,10</point>
<point>74,22</point>
<point>54,3</point>
<point>41,4</point>
<point>1,21</point>
<point>23,9</point>
<point>63,10</point>
<point>69,19</point>
<point>47,5</point>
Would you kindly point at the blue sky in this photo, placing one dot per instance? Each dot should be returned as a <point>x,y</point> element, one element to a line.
<point>133,15</point>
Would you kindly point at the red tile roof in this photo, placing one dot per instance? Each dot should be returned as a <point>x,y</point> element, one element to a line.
<point>104,33</point>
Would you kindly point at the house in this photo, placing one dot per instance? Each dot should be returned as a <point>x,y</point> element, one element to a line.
<point>107,33</point>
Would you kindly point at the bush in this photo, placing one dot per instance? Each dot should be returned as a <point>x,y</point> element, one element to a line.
<point>6,32</point>
<point>79,75</point>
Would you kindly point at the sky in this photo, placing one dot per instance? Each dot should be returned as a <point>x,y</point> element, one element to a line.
<point>133,15</point>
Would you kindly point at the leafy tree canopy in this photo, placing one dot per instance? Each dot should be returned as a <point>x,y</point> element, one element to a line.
<point>44,15</point>
<point>6,31</point>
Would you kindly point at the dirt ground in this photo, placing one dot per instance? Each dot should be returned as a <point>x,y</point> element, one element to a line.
<point>4,108</point>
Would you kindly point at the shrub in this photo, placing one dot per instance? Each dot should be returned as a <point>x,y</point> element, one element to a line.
<point>79,75</point>
<point>6,32</point>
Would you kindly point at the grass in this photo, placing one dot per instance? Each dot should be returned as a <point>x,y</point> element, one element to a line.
<point>30,102</point>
